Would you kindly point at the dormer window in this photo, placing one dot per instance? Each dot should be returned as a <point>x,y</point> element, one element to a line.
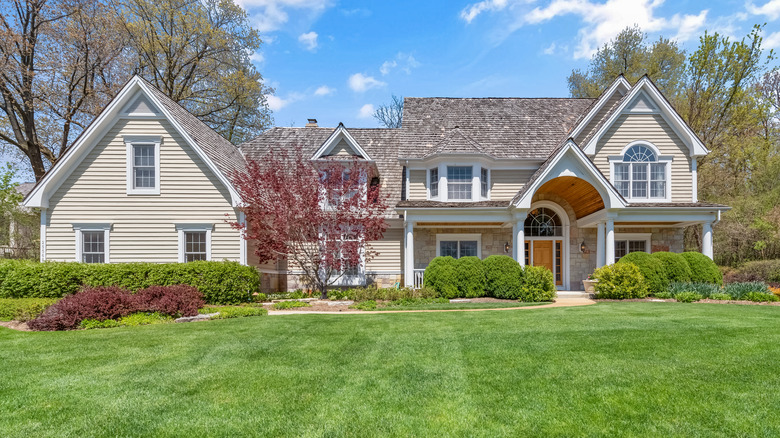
<point>459,182</point>
<point>641,174</point>
<point>434,182</point>
<point>483,180</point>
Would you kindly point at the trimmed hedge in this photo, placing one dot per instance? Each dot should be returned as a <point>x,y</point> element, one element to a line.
<point>652,270</point>
<point>471,277</point>
<point>675,265</point>
<point>703,269</point>
<point>219,282</point>
<point>620,281</point>
<point>23,309</point>
<point>441,276</point>
<point>503,277</point>
<point>538,284</point>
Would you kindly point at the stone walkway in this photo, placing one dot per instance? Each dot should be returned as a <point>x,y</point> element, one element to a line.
<point>560,302</point>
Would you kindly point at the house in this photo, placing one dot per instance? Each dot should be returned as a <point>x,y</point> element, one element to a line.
<point>569,184</point>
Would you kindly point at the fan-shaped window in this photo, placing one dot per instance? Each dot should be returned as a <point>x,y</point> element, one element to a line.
<point>543,222</point>
<point>640,175</point>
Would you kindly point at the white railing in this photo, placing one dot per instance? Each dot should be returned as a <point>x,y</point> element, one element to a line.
<point>418,278</point>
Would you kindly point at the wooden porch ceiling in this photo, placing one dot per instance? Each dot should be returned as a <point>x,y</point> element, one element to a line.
<point>580,194</point>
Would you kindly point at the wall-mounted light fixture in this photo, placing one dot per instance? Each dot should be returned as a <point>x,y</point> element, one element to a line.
<point>506,248</point>
<point>583,248</point>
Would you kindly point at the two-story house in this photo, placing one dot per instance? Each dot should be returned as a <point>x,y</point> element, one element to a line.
<point>569,184</point>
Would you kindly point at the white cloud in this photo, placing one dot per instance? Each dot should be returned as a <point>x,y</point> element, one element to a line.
<point>549,50</point>
<point>257,57</point>
<point>772,41</point>
<point>366,111</point>
<point>470,12</point>
<point>309,40</point>
<point>324,91</point>
<point>387,66</point>
<point>275,103</point>
<point>270,15</point>
<point>601,21</point>
<point>771,9</point>
<point>404,61</point>
<point>360,82</point>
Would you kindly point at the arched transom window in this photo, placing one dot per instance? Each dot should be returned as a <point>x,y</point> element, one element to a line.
<point>543,222</point>
<point>640,175</point>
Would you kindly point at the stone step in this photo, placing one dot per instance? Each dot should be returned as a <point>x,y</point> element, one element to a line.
<point>573,294</point>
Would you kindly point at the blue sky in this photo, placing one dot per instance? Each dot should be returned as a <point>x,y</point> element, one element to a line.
<point>337,60</point>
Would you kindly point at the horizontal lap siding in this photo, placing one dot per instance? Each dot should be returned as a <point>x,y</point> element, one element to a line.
<point>598,117</point>
<point>143,226</point>
<point>504,184</point>
<point>653,128</point>
<point>389,251</point>
<point>417,185</point>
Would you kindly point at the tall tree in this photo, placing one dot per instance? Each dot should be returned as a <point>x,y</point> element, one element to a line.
<point>318,218</point>
<point>630,54</point>
<point>390,115</point>
<point>197,52</point>
<point>57,69</point>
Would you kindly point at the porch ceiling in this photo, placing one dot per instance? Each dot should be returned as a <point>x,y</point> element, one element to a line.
<point>580,194</point>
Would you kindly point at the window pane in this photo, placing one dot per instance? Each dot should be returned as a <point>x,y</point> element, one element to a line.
<point>543,222</point>
<point>639,172</point>
<point>558,267</point>
<point>468,248</point>
<point>448,248</point>
<point>484,182</point>
<point>637,246</point>
<point>434,183</point>
<point>143,166</point>
<point>658,172</point>
<point>623,188</point>
<point>621,172</point>
<point>459,182</point>
<point>639,189</point>
<point>93,246</point>
<point>658,189</point>
<point>195,246</point>
<point>621,249</point>
<point>639,153</point>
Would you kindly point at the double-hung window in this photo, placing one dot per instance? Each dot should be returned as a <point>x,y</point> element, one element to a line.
<point>143,165</point>
<point>627,243</point>
<point>194,242</point>
<point>458,245</point>
<point>459,182</point>
<point>483,180</point>
<point>92,242</point>
<point>640,175</point>
<point>433,183</point>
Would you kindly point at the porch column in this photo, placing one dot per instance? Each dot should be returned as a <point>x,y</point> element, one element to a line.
<point>409,254</point>
<point>610,242</point>
<point>706,240</point>
<point>601,256</point>
<point>518,237</point>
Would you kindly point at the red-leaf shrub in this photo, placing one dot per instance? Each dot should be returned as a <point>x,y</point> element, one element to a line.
<point>178,300</point>
<point>98,303</point>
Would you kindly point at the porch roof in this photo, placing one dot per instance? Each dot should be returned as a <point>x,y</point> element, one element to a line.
<point>437,204</point>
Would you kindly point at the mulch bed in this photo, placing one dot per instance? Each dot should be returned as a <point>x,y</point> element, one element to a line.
<point>706,301</point>
<point>324,306</point>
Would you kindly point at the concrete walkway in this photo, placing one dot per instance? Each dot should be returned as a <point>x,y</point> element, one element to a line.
<point>560,302</point>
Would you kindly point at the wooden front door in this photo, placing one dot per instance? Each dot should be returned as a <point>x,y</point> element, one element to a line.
<point>543,254</point>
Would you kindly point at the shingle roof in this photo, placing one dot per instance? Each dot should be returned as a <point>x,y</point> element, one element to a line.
<point>224,154</point>
<point>380,144</point>
<point>456,142</point>
<point>677,205</point>
<point>503,127</point>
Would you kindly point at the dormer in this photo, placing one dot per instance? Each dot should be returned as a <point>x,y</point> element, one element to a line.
<point>341,145</point>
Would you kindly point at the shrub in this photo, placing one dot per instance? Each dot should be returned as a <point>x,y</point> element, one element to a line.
<point>364,305</point>
<point>665,295</point>
<point>290,305</point>
<point>675,266</point>
<point>441,276</point>
<point>23,309</point>
<point>470,277</point>
<point>416,301</point>
<point>703,269</point>
<point>720,296</point>
<point>227,312</point>
<point>259,297</point>
<point>738,290</point>
<point>538,284</point>
<point>703,289</point>
<point>42,280</point>
<point>760,270</point>
<point>98,303</point>
<point>503,277</point>
<point>145,318</point>
<point>176,301</point>
<point>619,281</point>
<point>89,323</point>
<point>759,297</point>
<point>688,297</point>
<point>652,270</point>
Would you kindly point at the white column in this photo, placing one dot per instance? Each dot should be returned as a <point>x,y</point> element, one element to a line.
<point>409,255</point>
<point>706,240</point>
<point>518,237</point>
<point>476,188</point>
<point>610,242</point>
<point>43,234</point>
<point>601,255</point>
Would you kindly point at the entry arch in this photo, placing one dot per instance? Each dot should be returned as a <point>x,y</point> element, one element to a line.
<point>557,241</point>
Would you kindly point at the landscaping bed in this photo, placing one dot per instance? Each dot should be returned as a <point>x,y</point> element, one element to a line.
<point>336,306</point>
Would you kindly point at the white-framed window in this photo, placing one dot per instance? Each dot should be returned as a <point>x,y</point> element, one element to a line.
<point>92,242</point>
<point>641,174</point>
<point>433,182</point>
<point>483,181</point>
<point>336,197</point>
<point>143,165</point>
<point>459,245</point>
<point>352,274</point>
<point>459,182</point>
<point>194,242</point>
<point>631,242</point>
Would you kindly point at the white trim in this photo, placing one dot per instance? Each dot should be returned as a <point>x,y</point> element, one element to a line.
<point>78,228</point>
<point>339,133</point>
<point>408,182</point>
<point>617,84</point>
<point>184,227</point>
<point>130,142</point>
<point>662,159</point>
<point>242,258</point>
<point>428,183</point>
<point>43,234</point>
<point>459,237</point>
<point>686,134</point>
<point>694,179</point>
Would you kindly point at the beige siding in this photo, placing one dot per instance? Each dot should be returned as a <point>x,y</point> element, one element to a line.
<point>653,128</point>
<point>389,250</point>
<point>143,225</point>
<point>417,185</point>
<point>342,149</point>
<point>598,117</point>
<point>504,184</point>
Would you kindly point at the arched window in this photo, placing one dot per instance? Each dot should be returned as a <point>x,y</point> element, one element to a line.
<point>543,222</point>
<point>640,175</point>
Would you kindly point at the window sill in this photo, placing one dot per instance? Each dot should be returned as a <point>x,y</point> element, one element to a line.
<point>137,192</point>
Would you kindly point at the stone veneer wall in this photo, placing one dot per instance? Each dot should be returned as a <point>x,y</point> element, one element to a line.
<point>493,241</point>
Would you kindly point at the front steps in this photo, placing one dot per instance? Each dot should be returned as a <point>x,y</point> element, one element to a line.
<point>573,294</point>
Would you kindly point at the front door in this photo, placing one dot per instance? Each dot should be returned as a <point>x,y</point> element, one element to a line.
<point>543,254</point>
<point>547,253</point>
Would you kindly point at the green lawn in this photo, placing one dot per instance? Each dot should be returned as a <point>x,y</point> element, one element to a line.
<point>611,369</point>
<point>460,306</point>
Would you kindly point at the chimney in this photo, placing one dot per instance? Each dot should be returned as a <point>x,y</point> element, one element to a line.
<point>312,123</point>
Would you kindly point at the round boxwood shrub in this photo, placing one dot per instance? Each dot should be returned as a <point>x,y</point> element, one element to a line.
<point>503,277</point>
<point>471,277</point>
<point>619,281</point>
<point>703,269</point>
<point>675,266</point>
<point>441,276</point>
<point>652,270</point>
<point>538,284</point>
